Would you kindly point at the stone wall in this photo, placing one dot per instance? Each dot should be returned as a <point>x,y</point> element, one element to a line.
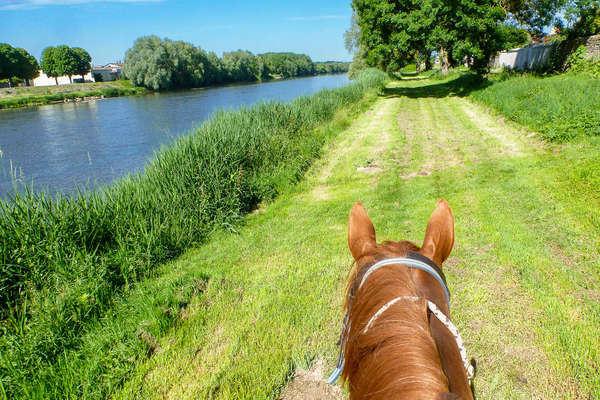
<point>592,44</point>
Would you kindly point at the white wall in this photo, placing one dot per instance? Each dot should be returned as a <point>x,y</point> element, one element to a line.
<point>528,57</point>
<point>44,80</point>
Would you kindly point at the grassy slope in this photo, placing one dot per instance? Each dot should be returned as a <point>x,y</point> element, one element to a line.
<point>560,107</point>
<point>524,271</point>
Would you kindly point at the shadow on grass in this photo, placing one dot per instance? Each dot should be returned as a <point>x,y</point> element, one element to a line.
<point>461,87</point>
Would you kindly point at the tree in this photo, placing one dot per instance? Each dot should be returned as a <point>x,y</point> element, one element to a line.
<point>28,67</point>
<point>394,33</point>
<point>242,66</point>
<point>585,18</point>
<point>164,64</point>
<point>83,61</point>
<point>214,70</point>
<point>286,64</point>
<point>467,30</point>
<point>49,63</point>
<point>67,61</point>
<point>10,60</point>
<point>513,37</point>
<point>534,15</point>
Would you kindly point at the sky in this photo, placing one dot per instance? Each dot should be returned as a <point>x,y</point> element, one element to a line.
<point>106,29</point>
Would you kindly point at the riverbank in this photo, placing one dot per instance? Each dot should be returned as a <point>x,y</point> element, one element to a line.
<point>76,92</point>
<point>29,96</point>
<point>67,261</point>
<point>523,272</point>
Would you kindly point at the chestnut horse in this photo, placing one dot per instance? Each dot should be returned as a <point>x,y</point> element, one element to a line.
<point>397,340</point>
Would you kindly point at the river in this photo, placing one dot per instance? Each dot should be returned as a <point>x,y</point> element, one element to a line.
<point>60,147</point>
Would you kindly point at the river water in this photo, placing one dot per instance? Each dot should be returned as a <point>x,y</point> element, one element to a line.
<point>60,147</point>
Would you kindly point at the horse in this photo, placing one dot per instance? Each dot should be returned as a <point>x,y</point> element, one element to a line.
<point>397,340</point>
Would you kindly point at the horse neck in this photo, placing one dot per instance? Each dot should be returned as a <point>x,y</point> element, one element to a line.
<point>397,356</point>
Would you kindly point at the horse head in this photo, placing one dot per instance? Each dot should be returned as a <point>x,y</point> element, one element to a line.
<point>398,341</point>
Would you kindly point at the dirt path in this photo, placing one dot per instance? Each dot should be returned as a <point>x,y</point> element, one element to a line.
<point>521,273</point>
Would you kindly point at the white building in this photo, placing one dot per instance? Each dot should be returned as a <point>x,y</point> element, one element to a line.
<point>44,80</point>
<point>108,72</point>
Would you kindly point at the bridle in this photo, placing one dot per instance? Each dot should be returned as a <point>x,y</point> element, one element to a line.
<point>414,260</point>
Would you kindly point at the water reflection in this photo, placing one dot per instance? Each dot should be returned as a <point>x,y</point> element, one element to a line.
<point>61,146</point>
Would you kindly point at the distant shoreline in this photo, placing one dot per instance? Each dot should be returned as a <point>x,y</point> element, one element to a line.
<point>76,92</point>
<point>82,92</point>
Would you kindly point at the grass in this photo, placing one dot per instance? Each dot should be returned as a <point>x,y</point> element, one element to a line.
<point>560,108</point>
<point>24,96</point>
<point>55,89</point>
<point>67,262</point>
<point>524,270</point>
<point>235,316</point>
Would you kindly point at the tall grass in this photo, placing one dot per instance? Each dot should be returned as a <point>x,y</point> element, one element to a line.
<point>64,259</point>
<point>561,107</point>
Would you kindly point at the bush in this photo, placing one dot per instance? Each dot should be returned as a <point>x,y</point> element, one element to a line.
<point>64,259</point>
<point>579,63</point>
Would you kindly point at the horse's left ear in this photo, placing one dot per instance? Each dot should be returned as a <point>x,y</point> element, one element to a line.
<point>361,233</point>
<point>439,237</point>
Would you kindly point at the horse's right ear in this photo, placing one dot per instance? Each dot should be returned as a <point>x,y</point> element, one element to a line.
<point>439,237</point>
<point>361,233</point>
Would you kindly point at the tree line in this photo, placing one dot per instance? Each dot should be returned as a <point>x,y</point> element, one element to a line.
<point>166,64</point>
<point>390,34</point>
<point>56,61</point>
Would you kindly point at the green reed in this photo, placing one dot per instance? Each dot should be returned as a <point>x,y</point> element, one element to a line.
<point>64,259</point>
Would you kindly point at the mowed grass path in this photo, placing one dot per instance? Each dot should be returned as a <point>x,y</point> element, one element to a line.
<point>524,273</point>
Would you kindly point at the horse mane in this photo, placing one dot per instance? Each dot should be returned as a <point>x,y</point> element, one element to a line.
<point>397,357</point>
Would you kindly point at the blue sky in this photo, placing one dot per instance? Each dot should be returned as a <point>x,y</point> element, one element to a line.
<point>108,28</point>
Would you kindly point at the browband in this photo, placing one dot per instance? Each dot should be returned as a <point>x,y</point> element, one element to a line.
<point>414,260</point>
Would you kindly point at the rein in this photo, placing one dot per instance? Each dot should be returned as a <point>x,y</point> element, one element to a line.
<point>423,263</point>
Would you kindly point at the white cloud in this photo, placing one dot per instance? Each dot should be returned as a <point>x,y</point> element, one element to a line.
<point>30,4</point>
<point>317,17</point>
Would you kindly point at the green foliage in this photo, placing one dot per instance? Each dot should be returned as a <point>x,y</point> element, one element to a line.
<point>287,64</point>
<point>48,63</point>
<point>587,15</point>
<point>67,61</point>
<point>9,61</point>
<point>535,15</point>
<point>513,37</point>
<point>17,63</point>
<point>358,64</point>
<point>395,33</point>
<point>64,259</point>
<point>242,66</point>
<point>559,107</point>
<point>83,61</point>
<point>577,62</point>
<point>331,67</point>
<point>214,70</point>
<point>164,64</point>
<point>29,67</point>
